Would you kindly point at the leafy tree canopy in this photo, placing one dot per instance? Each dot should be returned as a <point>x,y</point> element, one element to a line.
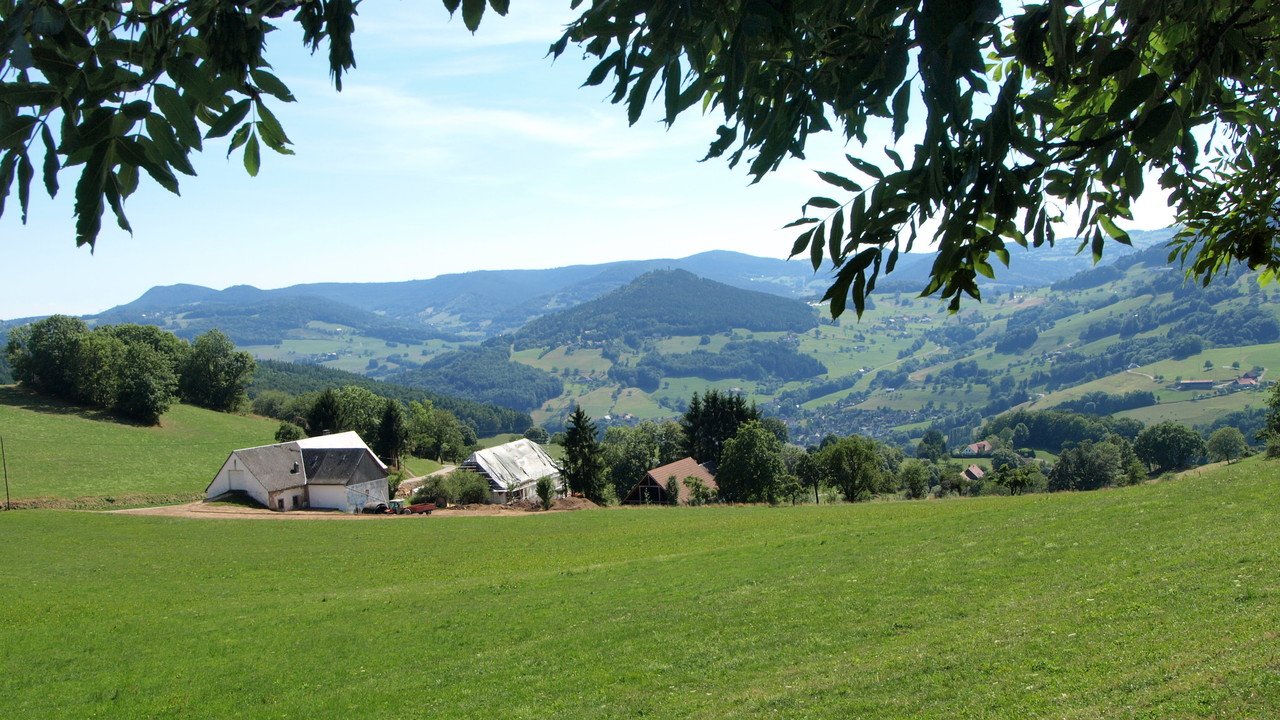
<point>1015,115</point>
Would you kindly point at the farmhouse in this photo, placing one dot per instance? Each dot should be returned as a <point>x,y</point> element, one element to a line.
<point>514,469</point>
<point>979,448</point>
<point>1196,385</point>
<point>653,487</point>
<point>336,472</point>
<point>974,473</point>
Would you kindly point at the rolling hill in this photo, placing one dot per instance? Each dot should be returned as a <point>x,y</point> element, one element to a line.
<point>665,302</point>
<point>58,451</point>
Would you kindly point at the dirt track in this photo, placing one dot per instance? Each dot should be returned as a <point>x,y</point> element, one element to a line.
<point>236,512</point>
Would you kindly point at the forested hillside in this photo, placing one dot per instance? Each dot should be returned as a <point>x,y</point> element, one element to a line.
<point>296,379</point>
<point>269,321</point>
<point>484,374</point>
<point>666,302</point>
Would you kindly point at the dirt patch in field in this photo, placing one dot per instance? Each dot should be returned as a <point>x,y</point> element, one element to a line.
<point>238,511</point>
<point>524,507</point>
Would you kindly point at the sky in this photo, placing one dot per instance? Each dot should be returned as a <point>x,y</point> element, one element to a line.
<point>445,152</point>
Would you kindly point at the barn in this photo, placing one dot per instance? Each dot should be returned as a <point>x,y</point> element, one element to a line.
<point>335,472</point>
<point>652,489</point>
<point>514,469</point>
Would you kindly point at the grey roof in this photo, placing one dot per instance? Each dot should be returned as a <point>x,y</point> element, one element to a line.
<point>514,464</point>
<point>277,467</point>
<point>341,466</point>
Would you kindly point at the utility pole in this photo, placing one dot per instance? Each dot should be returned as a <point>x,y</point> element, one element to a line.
<point>5,463</point>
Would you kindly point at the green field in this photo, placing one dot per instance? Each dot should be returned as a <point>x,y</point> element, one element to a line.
<point>56,450</point>
<point>1157,601</point>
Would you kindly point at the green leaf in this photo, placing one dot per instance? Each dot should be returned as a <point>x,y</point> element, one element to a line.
<point>1115,61</point>
<point>229,119</point>
<point>802,242</point>
<point>25,173</point>
<point>472,11</point>
<point>1155,123</point>
<point>179,114</point>
<point>15,132</point>
<point>500,6</point>
<point>29,94</point>
<point>901,108</point>
<point>136,110</point>
<point>112,192</point>
<point>836,241</point>
<point>240,137</point>
<point>195,81</point>
<point>51,165</point>
<point>271,85</point>
<point>815,248</point>
<point>822,202</point>
<point>452,5</point>
<point>272,126</point>
<point>1114,232</point>
<point>1133,95</point>
<point>134,151</point>
<point>88,207</point>
<point>865,167</point>
<point>801,221</point>
<point>839,181</point>
<point>7,166</point>
<point>252,158</point>
<point>167,145</point>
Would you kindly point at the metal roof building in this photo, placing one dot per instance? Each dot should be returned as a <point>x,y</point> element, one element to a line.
<point>513,469</point>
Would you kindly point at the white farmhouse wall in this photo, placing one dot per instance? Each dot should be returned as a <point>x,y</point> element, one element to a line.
<point>233,476</point>
<point>333,497</point>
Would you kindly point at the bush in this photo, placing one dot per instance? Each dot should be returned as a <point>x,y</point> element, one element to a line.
<point>288,432</point>
<point>458,487</point>
<point>546,491</point>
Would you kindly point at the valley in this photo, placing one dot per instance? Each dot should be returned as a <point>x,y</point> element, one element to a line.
<point>633,341</point>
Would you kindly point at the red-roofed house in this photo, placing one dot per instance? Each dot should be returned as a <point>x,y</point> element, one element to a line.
<point>653,488</point>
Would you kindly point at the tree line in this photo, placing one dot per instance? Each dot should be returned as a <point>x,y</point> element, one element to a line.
<point>390,427</point>
<point>298,379</point>
<point>134,371</point>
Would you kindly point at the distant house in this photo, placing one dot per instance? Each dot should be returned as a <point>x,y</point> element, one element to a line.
<point>335,472</point>
<point>1252,374</point>
<point>981,447</point>
<point>974,473</point>
<point>1196,384</point>
<point>652,488</point>
<point>1247,382</point>
<point>514,469</point>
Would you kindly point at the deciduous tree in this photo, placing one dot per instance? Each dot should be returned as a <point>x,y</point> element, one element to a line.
<point>214,374</point>
<point>1003,117</point>
<point>750,468</point>
<point>1227,444</point>
<point>1168,445</point>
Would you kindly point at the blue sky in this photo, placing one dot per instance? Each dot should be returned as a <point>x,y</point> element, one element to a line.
<point>445,152</point>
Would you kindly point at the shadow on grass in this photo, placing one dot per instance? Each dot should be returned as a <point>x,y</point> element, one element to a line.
<point>16,396</point>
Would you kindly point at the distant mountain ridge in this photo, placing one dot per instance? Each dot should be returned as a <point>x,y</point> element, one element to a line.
<point>486,303</point>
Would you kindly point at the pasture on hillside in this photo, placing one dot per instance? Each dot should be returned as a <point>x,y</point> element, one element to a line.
<point>58,450</point>
<point>1156,601</point>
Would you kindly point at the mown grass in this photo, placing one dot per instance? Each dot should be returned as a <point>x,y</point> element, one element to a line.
<point>1150,602</point>
<point>57,450</point>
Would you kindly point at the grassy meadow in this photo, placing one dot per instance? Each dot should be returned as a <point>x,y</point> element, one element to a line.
<point>57,450</point>
<point>1157,601</point>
